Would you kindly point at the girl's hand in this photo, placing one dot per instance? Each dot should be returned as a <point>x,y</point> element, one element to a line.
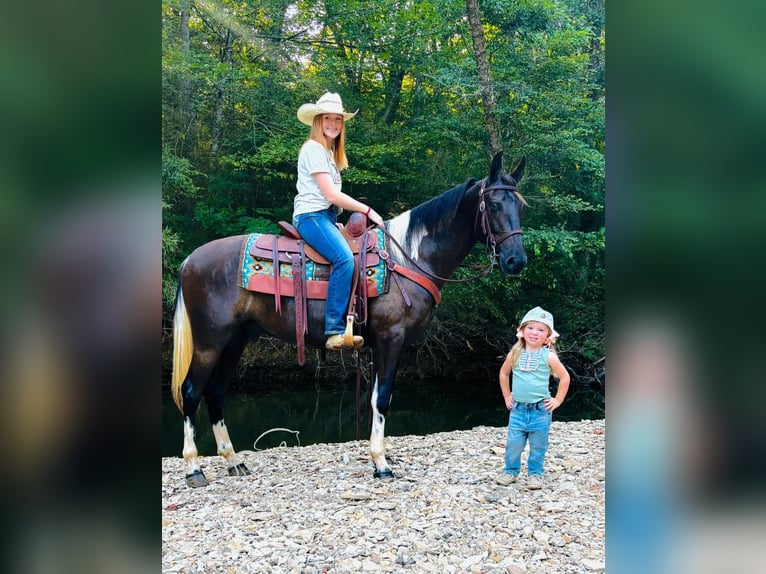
<point>551,404</point>
<point>375,218</point>
<point>509,402</point>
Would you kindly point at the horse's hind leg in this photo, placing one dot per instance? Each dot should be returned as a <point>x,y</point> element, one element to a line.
<point>191,389</point>
<point>214,397</point>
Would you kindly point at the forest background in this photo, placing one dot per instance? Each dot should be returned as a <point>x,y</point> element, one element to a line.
<point>439,85</point>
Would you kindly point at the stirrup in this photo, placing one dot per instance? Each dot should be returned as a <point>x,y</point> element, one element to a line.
<point>338,342</point>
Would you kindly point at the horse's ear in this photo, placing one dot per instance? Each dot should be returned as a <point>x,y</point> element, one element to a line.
<point>496,167</point>
<point>518,173</point>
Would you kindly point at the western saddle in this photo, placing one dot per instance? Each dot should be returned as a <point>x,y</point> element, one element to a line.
<point>290,249</point>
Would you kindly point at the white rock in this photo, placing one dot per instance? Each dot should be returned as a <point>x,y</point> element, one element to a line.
<point>355,495</point>
<point>593,565</point>
<point>472,560</point>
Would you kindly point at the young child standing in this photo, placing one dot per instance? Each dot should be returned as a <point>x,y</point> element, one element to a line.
<point>530,362</point>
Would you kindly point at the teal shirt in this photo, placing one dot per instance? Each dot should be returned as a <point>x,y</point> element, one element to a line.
<point>531,377</point>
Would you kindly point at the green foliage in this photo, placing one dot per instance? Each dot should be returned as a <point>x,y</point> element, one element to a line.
<point>220,220</point>
<point>170,254</point>
<point>177,177</point>
<point>178,188</point>
<point>170,258</point>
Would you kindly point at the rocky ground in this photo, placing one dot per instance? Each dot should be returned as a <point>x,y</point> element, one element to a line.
<point>317,509</point>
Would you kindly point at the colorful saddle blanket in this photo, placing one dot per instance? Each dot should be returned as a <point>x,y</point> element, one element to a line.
<point>258,266</point>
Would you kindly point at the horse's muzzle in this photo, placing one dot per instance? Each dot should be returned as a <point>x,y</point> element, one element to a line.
<point>514,264</point>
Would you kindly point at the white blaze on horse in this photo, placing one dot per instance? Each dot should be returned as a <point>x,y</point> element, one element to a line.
<point>217,315</point>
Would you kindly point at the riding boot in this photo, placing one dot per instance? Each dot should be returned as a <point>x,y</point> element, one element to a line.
<point>336,342</point>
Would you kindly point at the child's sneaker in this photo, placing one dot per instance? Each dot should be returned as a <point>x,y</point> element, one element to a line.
<point>535,482</point>
<point>505,479</point>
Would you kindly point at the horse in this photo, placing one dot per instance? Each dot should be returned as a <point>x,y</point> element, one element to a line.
<point>215,317</point>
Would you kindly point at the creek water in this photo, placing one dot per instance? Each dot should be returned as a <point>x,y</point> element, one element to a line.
<point>326,413</point>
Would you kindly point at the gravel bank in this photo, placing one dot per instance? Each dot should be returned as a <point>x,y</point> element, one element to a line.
<point>317,509</point>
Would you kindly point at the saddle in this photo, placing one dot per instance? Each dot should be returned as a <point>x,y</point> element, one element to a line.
<point>290,249</point>
<point>285,265</point>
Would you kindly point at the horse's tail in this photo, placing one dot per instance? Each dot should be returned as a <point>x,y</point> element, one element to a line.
<point>183,345</point>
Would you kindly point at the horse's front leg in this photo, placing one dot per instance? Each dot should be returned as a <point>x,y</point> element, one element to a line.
<point>385,365</point>
<point>377,436</point>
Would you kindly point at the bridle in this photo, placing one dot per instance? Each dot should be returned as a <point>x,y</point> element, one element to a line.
<point>482,230</point>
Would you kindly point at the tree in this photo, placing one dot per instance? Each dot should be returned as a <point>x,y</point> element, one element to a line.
<point>485,76</point>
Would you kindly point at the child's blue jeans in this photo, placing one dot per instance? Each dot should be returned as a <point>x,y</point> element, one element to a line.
<point>527,422</point>
<point>319,230</point>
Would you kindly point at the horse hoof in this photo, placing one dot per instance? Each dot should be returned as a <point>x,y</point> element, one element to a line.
<point>239,470</point>
<point>196,479</point>
<point>385,474</point>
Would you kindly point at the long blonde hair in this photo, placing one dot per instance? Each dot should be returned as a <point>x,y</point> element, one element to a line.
<point>521,344</point>
<point>339,147</point>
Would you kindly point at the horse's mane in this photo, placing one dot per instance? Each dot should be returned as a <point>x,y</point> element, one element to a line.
<point>427,219</point>
<point>439,211</point>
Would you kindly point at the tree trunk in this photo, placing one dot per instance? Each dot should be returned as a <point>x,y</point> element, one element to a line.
<point>184,91</point>
<point>393,92</point>
<point>485,77</point>
<point>185,26</point>
<point>274,31</point>
<point>418,98</point>
<point>219,93</point>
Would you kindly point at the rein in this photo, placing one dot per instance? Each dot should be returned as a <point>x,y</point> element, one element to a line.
<point>482,230</point>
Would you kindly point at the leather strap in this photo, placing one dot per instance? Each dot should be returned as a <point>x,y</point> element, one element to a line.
<point>362,285</point>
<point>424,282</point>
<point>275,260</point>
<point>302,245</point>
<point>299,308</point>
<point>398,282</point>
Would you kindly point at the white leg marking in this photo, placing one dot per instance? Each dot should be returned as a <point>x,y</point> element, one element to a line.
<point>377,447</point>
<point>223,443</point>
<point>190,448</point>
<point>398,227</point>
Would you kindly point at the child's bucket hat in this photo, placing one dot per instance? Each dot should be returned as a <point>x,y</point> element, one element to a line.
<point>541,316</point>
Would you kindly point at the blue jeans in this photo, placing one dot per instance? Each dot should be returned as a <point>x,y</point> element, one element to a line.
<point>527,421</point>
<point>319,230</point>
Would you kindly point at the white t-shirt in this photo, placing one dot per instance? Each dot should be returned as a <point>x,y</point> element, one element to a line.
<point>313,158</point>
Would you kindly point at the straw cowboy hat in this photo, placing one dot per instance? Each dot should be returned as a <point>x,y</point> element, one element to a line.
<point>329,103</point>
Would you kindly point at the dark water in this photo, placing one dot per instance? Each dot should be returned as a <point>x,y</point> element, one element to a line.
<point>326,413</point>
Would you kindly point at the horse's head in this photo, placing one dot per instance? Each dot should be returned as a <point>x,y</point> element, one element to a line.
<point>498,220</point>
